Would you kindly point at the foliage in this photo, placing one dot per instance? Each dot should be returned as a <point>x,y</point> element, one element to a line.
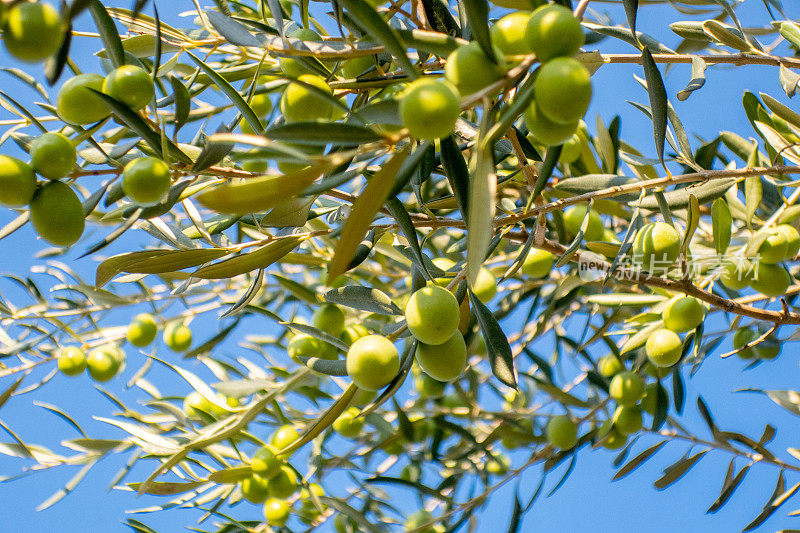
<point>294,181</point>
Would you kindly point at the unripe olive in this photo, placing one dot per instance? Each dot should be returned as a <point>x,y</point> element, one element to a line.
<point>265,461</point>
<point>610,438</point>
<point>255,489</point>
<point>71,361</point>
<point>349,424</point>
<point>276,512</point>
<point>485,286</point>
<point>771,280</point>
<point>683,314</point>
<point>663,348</point>
<point>774,248</point>
<point>283,484</point>
<point>432,314</point>
<point>544,130</point>
<point>562,432</point>
<point>178,337</point>
<point>17,182</point>
<point>130,85</point>
<point>284,437</point>
<point>329,318</point>
<point>538,263</point>
<point>372,362</point>
<point>103,363</point>
<point>32,32</point>
<point>57,214</point>
<point>303,345</point>
<point>53,155</point>
<point>792,240</point>
<point>626,388</point>
<point>470,70</point>
<point>742,337</point>
<point>443,362</point>
<point>78,104</point>
<point>508,34</point>
<point>553,31</point>
<point>656,247</point>
<point>142,330</point>
<point>571,151</point>
<point>735,275</point>
<point>146,180</point>
<point>299,102</point>
<point>573,218</point>
<point>609,366</point>
<point>563,90</point>
<point>429,109</point>
<point>353,332</point>
<point>650,398</point>
<point>628,420</point>
<point>498,465</point>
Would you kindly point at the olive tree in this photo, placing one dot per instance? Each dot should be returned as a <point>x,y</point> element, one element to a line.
<point>363,238</point>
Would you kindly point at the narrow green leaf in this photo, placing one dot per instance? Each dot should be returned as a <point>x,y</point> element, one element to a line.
<point>674,472</point>
<point>321,134</point>
<point>631,9</point>
<point>478,17</point>
<point>728,488</point>
<point>154,262</point>
<point>658,101</point>
<point>721,222</point>
<point>366,206</point>
<point>637,461</point>
<point>501,358</point>
<point>698,78</point>
<point>455,168</point>
<point>363,299</point>
<point>108,33</point>
<point>242,264</point>
<point>480,222</point>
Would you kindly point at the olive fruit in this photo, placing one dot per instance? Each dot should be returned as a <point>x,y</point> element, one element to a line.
<point>372,362</point>
<point>290,66</point>
<point>77,104</point>
<point>17,182</point>
<point>329,318</point>
<point>571,151</point>
<point>283,437</point>
<point>573,219</point>
<point>309,510</point>
<point>130,85</point>
<point>544,130</point>
<point>563,90</point>
<point>497,465</point>
<point>304,345</point>
<point>626,388</point>
<point>774,248</point>
<point>57,214</point>
<point>792,239</point>
<point>485,286</point>
<point>299,102</point>
<point>146,180</point>
<point>429,109</point>
<point>283,484</point>
<point>432,314</point>
<point>552,31</point>
<point>663,348</point>
<point>538,263</point>
<point>195,403</point>
<point>683,314</point>
<point>349,424</point>
<point>53,155</point>
<point>562,432</point>
<point>104,363</point>
<point>443,362</point>
<point>610,438</point>
<point>71,361</point>
<point>265,462</point>
<point>142,330</point>
<point>276,512</point>
<point>418,519</point>
<point>742,337</point>
<point>735,275</point>
<point>426,386</point>
<point>469,69</point>
<point>609,366</point>
<point>656,247</point>
<point>254,489</point>
<point>32,32</point>
<point>770,280</point>
<point>628,420</point>
<point>353,332</point>
<point>508,34</point>
<point>178,337</point>
<point>650,398</point>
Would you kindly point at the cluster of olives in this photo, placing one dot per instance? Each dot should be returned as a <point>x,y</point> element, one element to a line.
<point>768,276</point>
<point>563,86</point>
<point>56,211</point>
<point>274,481</point>
<point>143,329</point>
<point>103,363</point>
<point>767,349</point>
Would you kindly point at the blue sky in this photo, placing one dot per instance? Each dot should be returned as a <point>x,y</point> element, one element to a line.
<point>588,501</point>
